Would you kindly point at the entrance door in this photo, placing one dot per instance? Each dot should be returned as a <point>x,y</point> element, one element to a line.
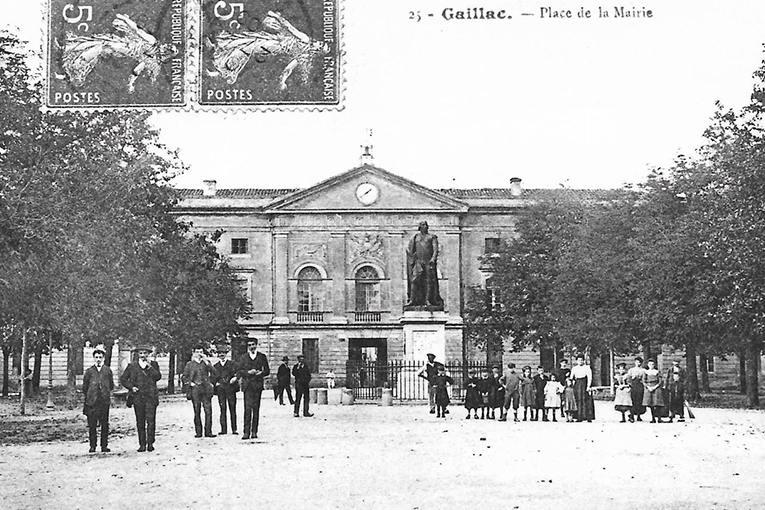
<point>367,366</point>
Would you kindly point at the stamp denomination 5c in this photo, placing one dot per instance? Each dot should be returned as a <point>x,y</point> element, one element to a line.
<point>116,53</point>
<point>268,53</point>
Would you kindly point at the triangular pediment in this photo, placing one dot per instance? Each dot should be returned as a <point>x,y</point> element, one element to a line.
<point>367,188</point>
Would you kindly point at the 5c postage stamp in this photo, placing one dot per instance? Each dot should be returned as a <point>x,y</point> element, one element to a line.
<point>117,53</point>
<point>270,53</point>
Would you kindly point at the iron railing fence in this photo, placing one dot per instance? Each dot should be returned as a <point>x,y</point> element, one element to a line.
<point>368,378</point>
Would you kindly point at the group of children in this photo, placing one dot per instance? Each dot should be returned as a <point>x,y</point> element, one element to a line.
<point>537,395</point>
<point>636,391</point>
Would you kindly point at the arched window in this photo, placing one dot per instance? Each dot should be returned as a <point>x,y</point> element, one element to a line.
<point>367,290</point>
<point>309,290</point>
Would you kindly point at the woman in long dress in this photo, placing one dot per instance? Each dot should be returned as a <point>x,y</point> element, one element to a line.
<point>635,377</point>
<point>582,377</point>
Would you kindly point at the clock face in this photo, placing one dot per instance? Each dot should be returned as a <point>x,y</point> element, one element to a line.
<point>367,193</point>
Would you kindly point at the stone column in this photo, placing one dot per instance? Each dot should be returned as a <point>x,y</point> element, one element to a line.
<point>450,268</point>
<point>280,264</point>
<point>397,274</point>
<point>337,274</point>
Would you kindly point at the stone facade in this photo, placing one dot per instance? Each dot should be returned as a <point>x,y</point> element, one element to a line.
<point>326,266</point>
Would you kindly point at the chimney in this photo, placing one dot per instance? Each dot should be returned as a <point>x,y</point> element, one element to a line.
<point>209,188</point>
<point>515,187</point>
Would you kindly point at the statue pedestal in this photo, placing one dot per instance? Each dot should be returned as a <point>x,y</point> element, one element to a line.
<point>424,332</point>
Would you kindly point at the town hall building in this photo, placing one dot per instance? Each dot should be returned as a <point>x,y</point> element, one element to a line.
<point>325,266</point>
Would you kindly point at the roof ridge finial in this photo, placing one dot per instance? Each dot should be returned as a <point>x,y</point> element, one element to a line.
<point>366,149</point>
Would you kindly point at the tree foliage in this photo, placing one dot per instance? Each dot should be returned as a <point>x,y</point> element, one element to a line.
<point>89,244</point>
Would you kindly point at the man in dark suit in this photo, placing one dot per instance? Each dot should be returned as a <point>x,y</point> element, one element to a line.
<point>251,371</point>
<point>140,378</point>
<point>97,385</point>
<point>196,378</point>
<point>283,382</point>
<point>302,375</point>
<point>226,385</point>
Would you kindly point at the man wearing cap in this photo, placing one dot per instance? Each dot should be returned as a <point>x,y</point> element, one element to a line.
<point>140,378</point>
<point>196,378</point>
<point>429,371</point>
<point>302,375</point>
<point>283,382</point>
<point>226,385</point>
<point>251,371</point>
<point>97,385</point>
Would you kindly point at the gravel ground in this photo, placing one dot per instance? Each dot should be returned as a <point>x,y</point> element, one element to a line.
<point>366,456</point>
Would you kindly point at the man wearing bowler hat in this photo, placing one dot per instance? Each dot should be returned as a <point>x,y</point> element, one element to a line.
<point>140,378</point>
<point>97,385</point>
<point>283,382</point>
<point>252,369</point>
<point>302,378</point>
<point>226,385</point>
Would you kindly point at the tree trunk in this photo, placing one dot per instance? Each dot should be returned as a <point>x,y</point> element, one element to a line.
<point>37,367</point>
<point>108,347</point>
<point>691,369</point>
<point>23,373</point>
<point>171,373</point>
<point>742,372</point>
<point>646,351</point>
<point>704,369</point>
<point>754,349</point>
<point>71,373</point>
<point>6,369</point>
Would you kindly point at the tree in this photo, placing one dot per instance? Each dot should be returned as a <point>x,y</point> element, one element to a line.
<point>91,248</point>
<point>523,276</point>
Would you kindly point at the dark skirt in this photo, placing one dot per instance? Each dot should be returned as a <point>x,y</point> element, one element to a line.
<point>442,397</point>
<point>473,399</point>
<point>584,402</point>
<point>636,391</point>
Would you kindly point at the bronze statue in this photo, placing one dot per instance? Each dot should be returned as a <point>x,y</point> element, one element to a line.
<point>422,274</point>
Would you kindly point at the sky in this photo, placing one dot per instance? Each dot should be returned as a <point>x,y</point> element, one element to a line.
<point>588,103</point>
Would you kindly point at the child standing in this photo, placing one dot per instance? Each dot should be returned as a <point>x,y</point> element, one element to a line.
<point>676,397</point>
<point>484,388</point>
<point>569,400</point>
<point>528,395</point>
<point>497,395</point>
<point>553,389</point>
<point>540,381</point>
<point>442,394</point>
<point>472,394</point>
<point>623,392</point>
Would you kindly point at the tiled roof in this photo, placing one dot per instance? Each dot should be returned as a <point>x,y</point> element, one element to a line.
<point>505,193</point>
<point>238,193</point>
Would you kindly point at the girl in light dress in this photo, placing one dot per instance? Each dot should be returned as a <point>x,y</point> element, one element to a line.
<point>553,390</point>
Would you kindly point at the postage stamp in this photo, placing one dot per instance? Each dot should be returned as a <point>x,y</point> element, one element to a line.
<point>117,53</point>
<point>270,53</point>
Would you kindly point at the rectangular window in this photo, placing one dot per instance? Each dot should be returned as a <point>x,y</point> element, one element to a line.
<point>367,296</point>
<point>311,353</point>
<point>239,246</point>
<point>309,296</point>
<point>491,245</point>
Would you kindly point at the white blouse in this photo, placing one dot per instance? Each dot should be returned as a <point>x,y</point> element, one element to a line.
<point>580,371</point>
